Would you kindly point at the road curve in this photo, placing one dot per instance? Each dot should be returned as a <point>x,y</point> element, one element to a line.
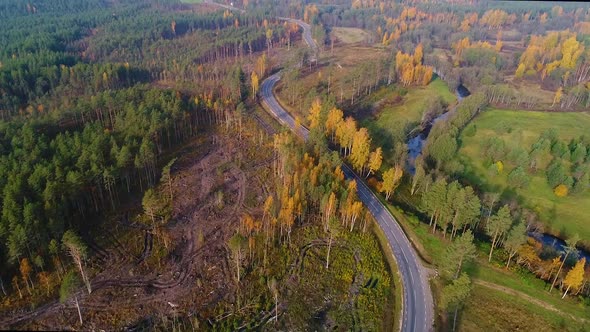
<point>306,31</point>
<point>417,307</point>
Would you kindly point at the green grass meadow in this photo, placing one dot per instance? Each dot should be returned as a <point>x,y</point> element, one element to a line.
<point>349,35</point>
<point>563,215</point>
<point>491,310</point>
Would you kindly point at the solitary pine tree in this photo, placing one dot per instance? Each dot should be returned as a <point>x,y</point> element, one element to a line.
<point>454,295</point>
<point>68,287</point>
<point>78,251</point>
<point>461,251</point>
<point>167,177</point>
<point>515,239</point>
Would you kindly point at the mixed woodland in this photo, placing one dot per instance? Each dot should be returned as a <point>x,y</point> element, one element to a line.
<point>96,98</point>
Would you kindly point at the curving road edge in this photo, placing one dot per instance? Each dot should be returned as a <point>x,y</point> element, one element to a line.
<point>417,304</point>
<point>417,307</point>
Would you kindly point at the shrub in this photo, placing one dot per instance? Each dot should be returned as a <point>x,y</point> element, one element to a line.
<point>499,166</point>
<point>470,131</point>
<point>556,173</point>
<point>518,178</point>
<point>561,190</point>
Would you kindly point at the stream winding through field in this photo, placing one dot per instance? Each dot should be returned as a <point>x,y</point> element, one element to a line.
<point>416,144</point>
<point>548,240</point>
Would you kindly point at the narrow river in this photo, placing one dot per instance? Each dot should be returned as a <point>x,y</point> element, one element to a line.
<point>558,244</point>
<point>416,144</point>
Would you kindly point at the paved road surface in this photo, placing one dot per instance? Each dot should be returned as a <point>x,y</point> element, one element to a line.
<point>417,311</point>
<point>306,31</point>
<point>417,298</point>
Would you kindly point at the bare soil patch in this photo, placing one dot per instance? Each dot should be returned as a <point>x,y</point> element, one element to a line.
<point>192,275</point>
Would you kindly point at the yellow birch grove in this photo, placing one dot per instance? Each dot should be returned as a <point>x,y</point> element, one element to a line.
<point>469,20</point>
<point>391,179</point>
<point>410,69</point>
<point>314,114</point>
<point>418,54</point>
<point>345,133</point>
<point>575,277</point>
<point>334,120</point>
<point>375,160</point>
<point>496,18</point>
<point>546,53</point>
<point>310,12</point>
<point>361,145</point>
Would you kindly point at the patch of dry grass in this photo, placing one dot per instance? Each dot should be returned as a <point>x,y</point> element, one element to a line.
<point>349,35</point>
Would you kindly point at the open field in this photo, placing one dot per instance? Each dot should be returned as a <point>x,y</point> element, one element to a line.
<point>349,35</point>
<point>544,98</point>
<point>565,215</point>
<point>493,310</point>
<point>529,286</point>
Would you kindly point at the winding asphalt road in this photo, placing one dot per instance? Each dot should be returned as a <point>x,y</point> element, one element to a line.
<point>417,311</point>
<point>417,307</point>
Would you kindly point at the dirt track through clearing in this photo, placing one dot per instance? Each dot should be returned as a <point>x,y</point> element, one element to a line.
<point>522,295</point>
<point>192,278</point>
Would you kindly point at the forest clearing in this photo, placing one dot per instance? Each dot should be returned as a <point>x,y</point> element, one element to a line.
<point>429,169</point>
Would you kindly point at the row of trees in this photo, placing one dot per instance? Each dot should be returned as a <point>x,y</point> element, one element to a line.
<point>558,52</point>
<point>354,143</point>
<point>442,142</point>
<point>453,207</point>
